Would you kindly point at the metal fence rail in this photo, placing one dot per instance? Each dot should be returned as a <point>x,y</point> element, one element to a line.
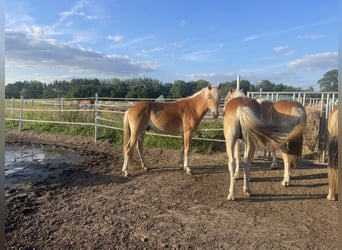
<point>96,107</point>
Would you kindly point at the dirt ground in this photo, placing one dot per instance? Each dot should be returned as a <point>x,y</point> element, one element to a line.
<point>92,206</point>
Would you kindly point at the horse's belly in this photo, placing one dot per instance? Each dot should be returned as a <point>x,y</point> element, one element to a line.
<point>165,127</point>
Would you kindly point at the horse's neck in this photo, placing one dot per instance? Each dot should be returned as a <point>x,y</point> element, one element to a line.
<point>198,104</point>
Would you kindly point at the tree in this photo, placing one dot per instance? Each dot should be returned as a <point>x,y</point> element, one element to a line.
<point>329,81</point>
<point>266,85</point>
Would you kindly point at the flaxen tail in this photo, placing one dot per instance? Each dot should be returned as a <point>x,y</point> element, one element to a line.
<point>263,134</point>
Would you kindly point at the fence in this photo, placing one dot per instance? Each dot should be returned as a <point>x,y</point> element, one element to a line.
<point>95,106</point>
<point>96,109</point>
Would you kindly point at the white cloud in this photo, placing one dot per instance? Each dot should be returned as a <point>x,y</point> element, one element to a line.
<point>27,51</point>
<point>214,78</point>
<point>310,36</point>
<point>117,38</point>
<point>280,48</point>
<point>315,61</point>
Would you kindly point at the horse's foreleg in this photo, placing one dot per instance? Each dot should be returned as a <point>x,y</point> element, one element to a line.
<point>237,157</point>
<point>231,167</point>
<point>140,149</point>
<point>274,164</point>
<point>187,141</point>
<point>181,156</point>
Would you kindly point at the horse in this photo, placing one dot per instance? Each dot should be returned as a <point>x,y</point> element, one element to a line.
<point>181,116</point>
<point>242,121</point>
<point>285,113</point>
<point>333,154</point>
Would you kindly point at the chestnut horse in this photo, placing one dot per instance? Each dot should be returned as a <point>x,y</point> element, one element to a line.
<point>285,113</point>
<point>242,121</point>
<point>333,154</point>
<point>183,115</point>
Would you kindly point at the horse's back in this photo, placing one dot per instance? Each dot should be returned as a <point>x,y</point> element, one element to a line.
<point>238,102</point>
<point>286,112</point>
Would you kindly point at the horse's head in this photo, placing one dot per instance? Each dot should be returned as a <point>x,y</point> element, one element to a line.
<point>232,93</point>
<point>213,99</point>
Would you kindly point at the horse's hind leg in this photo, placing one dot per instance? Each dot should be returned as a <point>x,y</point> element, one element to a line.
<point>128,154</point>
<point>248,156</point>
<point>237,157</point>
<point>140,149</point>
<point>231,166</point>
<point>286,180</point>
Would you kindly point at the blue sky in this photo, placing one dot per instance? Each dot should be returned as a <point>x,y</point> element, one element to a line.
<point>291,42</point>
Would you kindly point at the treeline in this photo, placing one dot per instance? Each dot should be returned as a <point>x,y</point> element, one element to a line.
<point>131,88</point>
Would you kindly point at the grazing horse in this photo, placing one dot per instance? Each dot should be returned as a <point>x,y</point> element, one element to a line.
<point>242,121</point>
<point>333,154</point>
<point>183,115</point>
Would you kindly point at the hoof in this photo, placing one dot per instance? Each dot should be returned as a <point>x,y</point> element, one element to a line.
<point>125,173</point>
<point>285,183</point>
<point>331,197</point>
<point>247,193</point>
<point>230,197</point>
<point>188,172</point>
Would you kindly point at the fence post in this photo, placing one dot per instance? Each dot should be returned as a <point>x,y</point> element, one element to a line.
<point>237,82</point>
<point>12,105</point>
<point>21,113</point>
<point>96,114</point>
<point>62,104</point>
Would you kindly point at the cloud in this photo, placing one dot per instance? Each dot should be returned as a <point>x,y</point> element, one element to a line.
<point>116,38</point>
<point>310,36</point>
<point>27,51</point>
<point>317,61</point>
<point>287,30</point>
<point>214,78</point>
<point>280,48</point>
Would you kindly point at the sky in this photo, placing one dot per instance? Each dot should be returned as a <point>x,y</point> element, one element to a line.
<point>290,42</point>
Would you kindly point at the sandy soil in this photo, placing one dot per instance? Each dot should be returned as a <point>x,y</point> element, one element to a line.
<point>90,205</point>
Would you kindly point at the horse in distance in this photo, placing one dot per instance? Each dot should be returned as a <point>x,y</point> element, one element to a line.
<point>181,116</point>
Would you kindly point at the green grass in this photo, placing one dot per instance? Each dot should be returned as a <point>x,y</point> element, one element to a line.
<point>115,136</point>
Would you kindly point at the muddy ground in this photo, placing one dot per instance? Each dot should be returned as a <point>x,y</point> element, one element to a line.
<point>90,205</point>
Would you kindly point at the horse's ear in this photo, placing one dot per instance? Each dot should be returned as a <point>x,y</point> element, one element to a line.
<point>220,85</point>
<point>209,86</point>
<point>231,90</point>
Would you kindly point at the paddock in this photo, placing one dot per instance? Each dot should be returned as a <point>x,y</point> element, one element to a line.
<point>91,205</point>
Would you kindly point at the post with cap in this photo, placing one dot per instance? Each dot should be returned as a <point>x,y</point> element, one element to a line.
<point>238,82</point>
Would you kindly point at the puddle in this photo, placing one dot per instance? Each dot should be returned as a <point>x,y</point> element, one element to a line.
<point>26,163</point>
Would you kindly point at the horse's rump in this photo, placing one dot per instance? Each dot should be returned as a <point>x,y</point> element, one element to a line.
<point>333,138</point>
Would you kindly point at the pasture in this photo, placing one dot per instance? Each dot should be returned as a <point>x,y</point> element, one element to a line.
<point>91,205</point>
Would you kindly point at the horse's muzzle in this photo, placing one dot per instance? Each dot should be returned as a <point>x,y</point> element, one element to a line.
<point>215,114</point>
